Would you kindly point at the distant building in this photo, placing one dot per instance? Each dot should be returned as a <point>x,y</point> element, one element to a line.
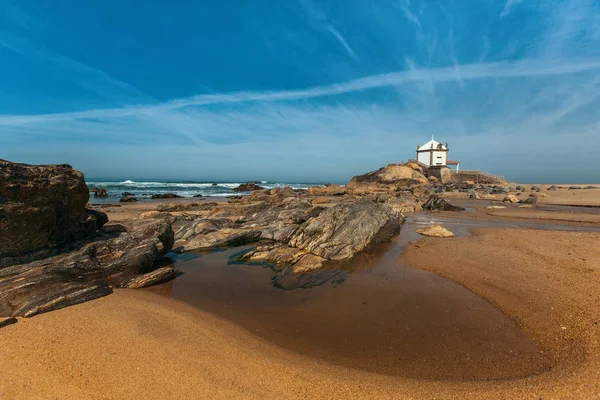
<point>435,154</point>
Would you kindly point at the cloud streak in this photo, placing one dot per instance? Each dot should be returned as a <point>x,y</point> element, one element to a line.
<point>499,70</point>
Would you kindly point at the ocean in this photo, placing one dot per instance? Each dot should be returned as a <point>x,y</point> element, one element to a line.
<point>145,189</point>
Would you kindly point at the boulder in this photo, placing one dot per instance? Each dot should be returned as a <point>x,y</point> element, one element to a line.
<point>99,193</point>
<point>509,198</point>
<point>553,187</point>
<point>165,196</point>
<point>248,187</point>
<point>41,206</point>
<point>89,272</point>
<point>437,203</point>
<point>344,230</point>
<point>435,231</point>
<point>128,199</point>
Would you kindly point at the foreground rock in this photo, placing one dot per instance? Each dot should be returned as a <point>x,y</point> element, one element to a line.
<point>120,256</point>
<point>435,231</point>
<point>41,206</point>
<point>340,232</point>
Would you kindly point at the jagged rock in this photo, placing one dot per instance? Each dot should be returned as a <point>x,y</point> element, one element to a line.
<point>327,190</point>
<point>99,193</point>
<point>438,203</point>
<point>344,230</point>
<point>247,187</point>
<point>165,196</point>
<point>98,218</point>
<point>322,200</point>
<point>390,178</point>
<point>42,206</point>
<point>435,231</point>
<point>171,207</point>
<point>91,271</point>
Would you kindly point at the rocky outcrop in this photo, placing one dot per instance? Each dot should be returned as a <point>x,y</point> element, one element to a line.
<point>436,202</point>
<point>128,199</point>
<point>344,230</point>
<point>99,193</point>
<point>391,178</point>
<point>41,206</point>
<point>327,190</point>
<point>120,256</point>
<point>248,187</point>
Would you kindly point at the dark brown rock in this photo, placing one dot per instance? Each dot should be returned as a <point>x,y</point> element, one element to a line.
<point>128,199</point>
<point>113,260</point>
<point>7,321</point>
<point>99,193</point>
<point>41,206</point>
<point>166,196</point>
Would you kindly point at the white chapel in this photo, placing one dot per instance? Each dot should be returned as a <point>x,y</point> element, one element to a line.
<point>435,154</point>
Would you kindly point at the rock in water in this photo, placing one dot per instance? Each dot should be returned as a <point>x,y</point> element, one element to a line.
<point>41,206</point>
<point>165,196</point>
<point>435,231</point>
<point>340,232</point>
<point>438,203</point>
<point>247,187</point>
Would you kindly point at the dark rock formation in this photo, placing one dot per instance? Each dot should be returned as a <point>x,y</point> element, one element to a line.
<point>99,193</point>
<point>166,196</point>
<point>114,259</point>
<point>128,199</point>
<point>248,187</point>
<point>7,321</point>
<point>41,206</point>
<point>438,203</point>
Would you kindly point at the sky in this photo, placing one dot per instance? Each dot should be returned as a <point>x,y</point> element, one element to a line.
<point>301,90</point>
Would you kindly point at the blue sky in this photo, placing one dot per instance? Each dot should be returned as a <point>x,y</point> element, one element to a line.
<point>300,90</point>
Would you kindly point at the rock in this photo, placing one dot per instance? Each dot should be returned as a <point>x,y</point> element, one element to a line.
<point>535,188</point>
<point>152,278</point>
<point>127,194</point>
<point>437,203</point>
<point>529,200</point>
<point>435,231</point>
<point>474,195</point>
<point>154,214</point>
<point>520,188</point>
<point>165,196</point>
<point>197,195</point>
<point>433,179</point>
<point>42,206</point>
<point>553,187</point>
<point>247,187</point>
<point>323,200</point>
<point>510,199</point>
<point>89,272</point>
<point>327,190</point>
<point>344,230</point>
<point>7,321</point>
<point>575,188</point>
<point>99,193</point>
<point>100,218</point>
<point>128,199</point>
<point>171,207</point>
<point>495,207</point>
<point>590,187</point>
<point>390,178</point>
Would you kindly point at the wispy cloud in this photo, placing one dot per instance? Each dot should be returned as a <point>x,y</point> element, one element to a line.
<point>499,70</point>
<point>508,6</point>
<point>342,41</point>
<point>88,78</point>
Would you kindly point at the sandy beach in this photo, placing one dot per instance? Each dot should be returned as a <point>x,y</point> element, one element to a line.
<point>144,344</point>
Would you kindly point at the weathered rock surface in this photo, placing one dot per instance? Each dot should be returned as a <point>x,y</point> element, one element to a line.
<point>7,321</point>
<point>438,203</point>
<point>510,199</point>
<point>390,178</point>
<point>344,230</point>
<point>128,199</point>
<point>327,190</point>
<point>41,206</point>
<point>435,231</point>
<point>247,187</point>
<point>115,259</point>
